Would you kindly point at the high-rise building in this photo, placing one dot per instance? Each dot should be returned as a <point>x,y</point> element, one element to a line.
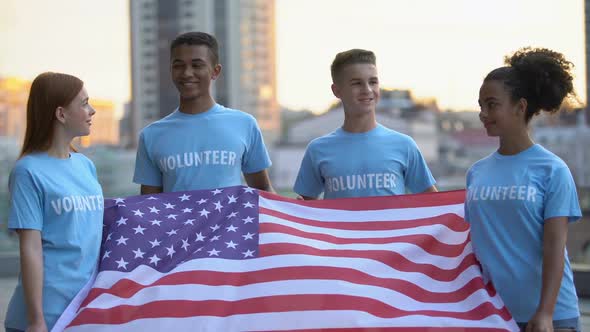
<point>245,30</point>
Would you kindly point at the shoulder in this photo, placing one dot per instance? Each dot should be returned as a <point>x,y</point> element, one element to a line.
<point>396,136</point>
<point>161,123</point>
<point>81,159</point>
<point>235,114</point>
<point>324,140</point>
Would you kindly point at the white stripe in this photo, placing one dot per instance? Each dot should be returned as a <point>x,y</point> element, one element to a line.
<point>146,275</point>
<point>388,297</point>
<point>411,252</point>
<point>291,321</point>
<point>440,232</point>
<point>321,214</point>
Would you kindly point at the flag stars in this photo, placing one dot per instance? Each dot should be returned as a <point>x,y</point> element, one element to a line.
<point>156,222</point>
<point>121,263</point>
<point>171,216</point>
<point>109,237</point>
<point>154,260</point>
<point>248,253</point>
<point>232,215</point>
<point>248,236</point>
<point>249,190</point>
<point>231,244</point>
<point>200,237</point>
<point>204,213</point>
<point>139,229</point>
<point>232,199</point>
<point>169,206</point>
<point>214,227</point>
<point>184,197</point>
<point>122,240</point>
<point>138,253</point>
<point>171,251</point>
<point>218,206</point>
<point>214,252</point>
<point>153,209</point>
<point>216,191</point>
<point>119,201</point>
<point>189,222</point>
<point>202,201</point>
<point>231,228</point>
<point>172,232</point>
<point>248,220</point>
<point>185,244</point>
<point>154,243</point>
<point>151,198</point>
<point>107,254</point>
<point>121,221</point>
<point>215,238</point>
<point>138,213</point>
<point>248,205</point>
<point>187,210</point>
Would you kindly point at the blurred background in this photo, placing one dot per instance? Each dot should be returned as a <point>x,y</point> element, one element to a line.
<point>431,56</point>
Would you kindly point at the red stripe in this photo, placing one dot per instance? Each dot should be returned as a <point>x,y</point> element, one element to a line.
<point>390,258</point>
<point>275,304</point>
<point>425,241</point>
<point>126,288</point>
<point>450,220</point>
<point>402,329</point>
<point>378,203</point>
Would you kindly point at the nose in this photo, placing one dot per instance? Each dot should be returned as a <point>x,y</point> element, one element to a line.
<point>92,110</point>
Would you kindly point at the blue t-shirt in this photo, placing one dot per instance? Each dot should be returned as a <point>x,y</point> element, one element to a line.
<point>200,151</point>
<point>63,200</point>
<point>379,162</point>
<point>509,198</point>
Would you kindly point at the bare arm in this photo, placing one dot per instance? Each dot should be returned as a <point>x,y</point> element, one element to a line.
<point>146,190</point>
<point>306,198</point>
<point>431,189</point>
<point>31,264</point>
<point>554,239</point>
<point>259,180</point>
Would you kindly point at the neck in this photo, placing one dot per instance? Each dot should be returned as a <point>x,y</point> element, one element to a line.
<point>513,144</point>
<point>60,145</point>
<point>196,105</point>
<point>359,123</point>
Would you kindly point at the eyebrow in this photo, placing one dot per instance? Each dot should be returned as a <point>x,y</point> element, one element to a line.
<point>192,60</point>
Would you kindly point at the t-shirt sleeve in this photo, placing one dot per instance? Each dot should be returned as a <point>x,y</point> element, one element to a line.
<point>465,205</point>
<point>146,170</point>
<point>256,157</point>
<point>417,177</point>
<point>561,198</point>
<point>26,201</point>
<point>309,182</point>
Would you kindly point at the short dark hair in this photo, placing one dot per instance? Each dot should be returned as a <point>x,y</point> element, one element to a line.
<point>198,38</point>
<point>541,76</point>
<point>350,57</point>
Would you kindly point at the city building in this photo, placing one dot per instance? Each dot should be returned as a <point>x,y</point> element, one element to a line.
<point>13,107</point>
<point>105,124</point>
<point>246,33</point>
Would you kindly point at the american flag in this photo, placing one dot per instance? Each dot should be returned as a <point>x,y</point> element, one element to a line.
<point>236,259</point>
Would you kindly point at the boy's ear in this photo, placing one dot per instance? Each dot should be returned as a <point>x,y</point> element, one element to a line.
<point>335,90</point>
<point>216,71</point>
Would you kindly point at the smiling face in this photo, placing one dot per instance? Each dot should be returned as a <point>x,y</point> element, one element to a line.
<point>192,71</point>
<point>500,115</point>
<point>358,88</point>
<point>77,116</point>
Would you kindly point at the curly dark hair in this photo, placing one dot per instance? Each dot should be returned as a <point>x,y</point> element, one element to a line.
<point>541,76</point>
<point>198,38</point>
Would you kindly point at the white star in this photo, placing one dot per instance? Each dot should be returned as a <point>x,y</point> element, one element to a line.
<point>232,199</point>
<point>171,216</point>
<point>171,251</point>
<point>189,221</point>
<point>201,201</point>
<point>213,252</point>
<point>200,237</point>
<point>232,215</point>
<point>215,238</point>
<point>184,197</point>
<point>106,254</point>
<point>216,191</point>
<point>119,200</point>
<point>204,213</point>
<point>122,240</point>
<point>248,253</point>
<point>169,206</point>
<point>121,263</point>
<point>138,229</point>
<point>248,220</point>
<point>154,260</point>
<point>248,205</point>
<point>154,243</point>
<point>218,206</point>
<point>214,227</point>
<point>248,236</point>
<point>156,222</point>
<point>122,221</point>
<point>231,228</point>
<point>153,209</point>
<point>187,210</point>
<point>138,253</point>
<point>231,244</point>
<point>138,213</point>
<point>249,190</point>
<point>185,244</point>
<point>108,237</point>
<point>196,251</point>
<point>172,232</point>
<point>151,198</point>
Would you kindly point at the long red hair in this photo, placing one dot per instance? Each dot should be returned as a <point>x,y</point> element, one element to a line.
<point>48,92</point>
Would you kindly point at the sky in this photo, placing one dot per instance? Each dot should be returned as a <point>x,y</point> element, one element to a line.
<point>437,48</point>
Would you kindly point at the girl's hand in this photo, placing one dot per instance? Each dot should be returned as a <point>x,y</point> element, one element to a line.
<point>541,322</point>
<point>38,326</point>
